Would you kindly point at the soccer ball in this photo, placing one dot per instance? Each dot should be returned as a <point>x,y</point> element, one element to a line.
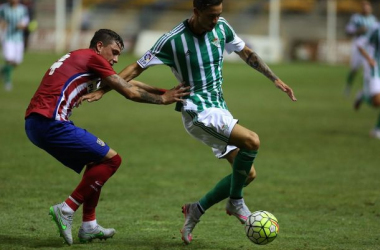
<point>261,227</point>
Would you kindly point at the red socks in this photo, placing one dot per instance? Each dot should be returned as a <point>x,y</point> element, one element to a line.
<point>88,190</point>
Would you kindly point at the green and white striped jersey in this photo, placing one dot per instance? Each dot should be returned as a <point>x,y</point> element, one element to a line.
<point>13,17</point>
<point>358,21</point>
<point>196,61</point>
<point>372,40</point>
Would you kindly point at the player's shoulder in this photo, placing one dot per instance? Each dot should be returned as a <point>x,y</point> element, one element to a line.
<point>83,52</point>
<point>176,31</point>
<point>166,38</point>
<point>357,16</point>
<point>3,6</point>
<point>23,7</point>
<point>82,55</point>
<point>224,21</point>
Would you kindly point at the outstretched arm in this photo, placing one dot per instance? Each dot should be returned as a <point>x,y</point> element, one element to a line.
<point>253,60</point>
<point>364,53</point>
<point>134,70</point>
<point>126,76</point>
<point>135,93</point>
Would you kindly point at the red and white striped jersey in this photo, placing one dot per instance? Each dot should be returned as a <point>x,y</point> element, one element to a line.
<point>72,76</point>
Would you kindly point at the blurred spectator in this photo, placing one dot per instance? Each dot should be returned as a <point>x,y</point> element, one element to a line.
<point>360,25</point>
<point>14,20</point>
<point>29,4</point>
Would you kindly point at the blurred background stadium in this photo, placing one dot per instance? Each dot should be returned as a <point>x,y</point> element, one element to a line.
<point>318,170</point>
<point>280,30</point>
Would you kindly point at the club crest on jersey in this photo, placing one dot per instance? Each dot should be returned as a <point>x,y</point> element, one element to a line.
<point>216,42</point>
<point>146,58</point>
<point>100,142</point>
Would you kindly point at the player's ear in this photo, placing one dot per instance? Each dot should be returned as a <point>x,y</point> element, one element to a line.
<point>98,48</point>
<point>196,11</point>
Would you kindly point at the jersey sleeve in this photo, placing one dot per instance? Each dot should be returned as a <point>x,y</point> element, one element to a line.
<point>160,53</point>
<point>351,26</point>
<point>233,42</point>
<point>100,66</point>
<point>371,39</point>
<point>25,17</point>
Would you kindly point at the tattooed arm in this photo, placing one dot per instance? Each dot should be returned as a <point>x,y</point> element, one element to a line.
<point>134,70</point>
<point>128,73</point>
<point>253,60</point>
<point>135,93</point>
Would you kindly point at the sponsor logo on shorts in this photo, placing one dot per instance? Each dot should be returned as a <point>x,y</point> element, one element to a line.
<point>100,142</point>
<point>147,57</point>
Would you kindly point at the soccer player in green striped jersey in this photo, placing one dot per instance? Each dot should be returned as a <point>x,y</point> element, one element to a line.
<point>371,84</point>
<point>360,25</point>
<point>14,19</point>
<point>194,52</point>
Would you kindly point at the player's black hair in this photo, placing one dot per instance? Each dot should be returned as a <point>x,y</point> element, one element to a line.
<point>106,36</point>
<point>204,4</point>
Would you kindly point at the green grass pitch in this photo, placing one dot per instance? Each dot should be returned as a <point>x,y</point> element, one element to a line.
<point>318,170</point>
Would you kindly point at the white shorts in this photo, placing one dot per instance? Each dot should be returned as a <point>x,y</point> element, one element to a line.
<point>371,83</point>
<point>212,126</point>
<point>13,51</point>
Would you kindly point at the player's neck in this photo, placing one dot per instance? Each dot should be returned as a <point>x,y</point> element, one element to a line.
<point>194,27</point>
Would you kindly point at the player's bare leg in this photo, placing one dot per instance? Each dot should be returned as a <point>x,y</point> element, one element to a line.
<point>375,133</point>
<point>350,81</point>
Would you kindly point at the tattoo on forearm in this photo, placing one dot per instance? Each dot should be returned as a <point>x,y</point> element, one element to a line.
<point>257,63</point>
<point>156,99</point>
<point>144,96</point>
<point>120,81</point>
<point>249,57</point>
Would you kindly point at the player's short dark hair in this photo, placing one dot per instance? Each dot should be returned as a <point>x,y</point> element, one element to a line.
<point>204,4</point>
<point>106,36</point>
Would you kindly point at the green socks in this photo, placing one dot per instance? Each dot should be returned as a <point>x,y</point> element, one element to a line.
<point>231,185</point>
<point>7,73</point>
<point>378,122</point>
<point>350,78</point>
<point>241,168</point>
<point>220,192</point>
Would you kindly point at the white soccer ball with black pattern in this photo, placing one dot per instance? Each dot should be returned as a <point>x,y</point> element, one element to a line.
<point>261,227</point>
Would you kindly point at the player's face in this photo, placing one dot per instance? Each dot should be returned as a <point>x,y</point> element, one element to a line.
<point>367,8</point>
<point>208,18</point>
<point>110,52</point>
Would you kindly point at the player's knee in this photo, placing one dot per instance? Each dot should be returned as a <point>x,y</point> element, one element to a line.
<point>376,101</point>
<point>253,141</point>
<point>114,163</point>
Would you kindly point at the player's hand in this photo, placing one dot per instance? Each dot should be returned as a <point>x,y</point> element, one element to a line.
<point>281,85</point>
<point>91,97</point>
<point>175,94</point>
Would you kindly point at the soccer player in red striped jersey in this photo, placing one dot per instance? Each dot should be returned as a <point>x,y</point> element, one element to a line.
<point>48,126</point>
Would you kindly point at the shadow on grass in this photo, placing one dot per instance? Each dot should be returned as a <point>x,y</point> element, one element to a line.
<point>28,241</point>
